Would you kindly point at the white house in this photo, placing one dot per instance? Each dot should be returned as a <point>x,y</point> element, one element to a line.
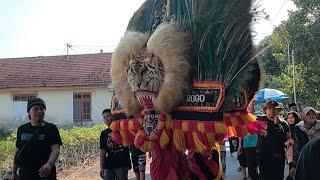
<point>76,88</point>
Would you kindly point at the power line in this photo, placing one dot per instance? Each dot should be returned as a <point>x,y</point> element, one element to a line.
<point>282,5</point>
<point>92,45</point>
<point>89,49</point>
<point>271,23</point>
<point>100,50</point>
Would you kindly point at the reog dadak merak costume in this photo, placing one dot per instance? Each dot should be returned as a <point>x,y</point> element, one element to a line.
<point>184,73</point>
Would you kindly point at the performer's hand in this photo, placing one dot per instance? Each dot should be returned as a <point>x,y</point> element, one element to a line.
<point>264,130</point>
<point>289,142</point>
<point>289,150</point>
<point>239,150</point>
<point>45,170</point>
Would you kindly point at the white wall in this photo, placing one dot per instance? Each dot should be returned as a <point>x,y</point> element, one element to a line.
<point>101,99</point>
<point>5,107</point>
<point>59,104</point>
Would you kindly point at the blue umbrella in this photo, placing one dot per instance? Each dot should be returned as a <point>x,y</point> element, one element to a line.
<point>268,94</point>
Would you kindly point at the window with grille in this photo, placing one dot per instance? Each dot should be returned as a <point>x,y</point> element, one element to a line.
<point>81,106</point>
<point>23,97</point>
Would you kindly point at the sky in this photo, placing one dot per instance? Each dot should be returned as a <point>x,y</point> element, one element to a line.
<point>44,27</point>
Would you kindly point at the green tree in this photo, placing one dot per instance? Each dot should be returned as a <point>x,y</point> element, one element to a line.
<point>302,33</point>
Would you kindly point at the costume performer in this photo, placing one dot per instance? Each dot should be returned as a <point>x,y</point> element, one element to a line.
<point>184,72</point>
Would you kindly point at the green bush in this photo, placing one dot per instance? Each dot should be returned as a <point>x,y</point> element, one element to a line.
<point>7,149</point>
<point>79,144</point>
<point>7,135</point>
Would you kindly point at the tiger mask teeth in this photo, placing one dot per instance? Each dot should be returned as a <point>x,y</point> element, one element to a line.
<point>162,62</point>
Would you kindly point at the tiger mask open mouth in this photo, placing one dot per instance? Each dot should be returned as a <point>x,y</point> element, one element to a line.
<point>151,71</point>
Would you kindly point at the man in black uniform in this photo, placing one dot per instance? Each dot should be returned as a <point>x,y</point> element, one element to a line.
<point>114,159</point>
<point>38,146</point>
<point>271,145</point>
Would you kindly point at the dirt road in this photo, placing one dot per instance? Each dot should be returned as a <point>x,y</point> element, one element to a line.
<point>90,171</point>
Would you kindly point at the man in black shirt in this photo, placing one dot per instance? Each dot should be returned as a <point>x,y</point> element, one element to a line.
<point>271,145</point>
<point>114,159</point>
<point>38,145</point>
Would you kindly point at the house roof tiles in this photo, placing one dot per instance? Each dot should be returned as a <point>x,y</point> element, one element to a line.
<point>56,71</point>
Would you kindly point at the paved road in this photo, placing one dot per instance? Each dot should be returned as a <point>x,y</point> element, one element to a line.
<point>232,165</point>
<point>91,171</point>
<point>231,174</point>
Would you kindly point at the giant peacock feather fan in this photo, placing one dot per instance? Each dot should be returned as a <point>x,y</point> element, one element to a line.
<point>185,71</point>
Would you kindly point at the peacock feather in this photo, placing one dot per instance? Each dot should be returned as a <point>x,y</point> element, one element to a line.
<point>185,70</point>
<point>221,49</point>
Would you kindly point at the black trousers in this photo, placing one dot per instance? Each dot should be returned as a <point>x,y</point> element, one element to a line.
<point>251,161</point>
<point>271,168</point>
<point>234,144</point>
<point>28,175</point>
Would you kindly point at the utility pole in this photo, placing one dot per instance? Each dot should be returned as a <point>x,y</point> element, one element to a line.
<point>294,79</point>
<point>293,71</point>
<point>288,45</point>
<point>68,46</point>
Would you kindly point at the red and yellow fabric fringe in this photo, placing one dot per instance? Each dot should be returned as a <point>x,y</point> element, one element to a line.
<point>130,131</point>
<point>200,136</point>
